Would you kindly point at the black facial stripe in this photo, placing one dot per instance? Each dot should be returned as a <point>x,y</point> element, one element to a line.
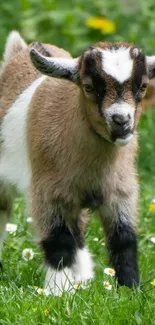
<point>60,246</point>
<point>99,84</point>
<point>140,70</point>
<point>122,246</point>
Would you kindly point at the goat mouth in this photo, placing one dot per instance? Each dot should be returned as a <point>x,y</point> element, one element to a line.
<point>124,139</point>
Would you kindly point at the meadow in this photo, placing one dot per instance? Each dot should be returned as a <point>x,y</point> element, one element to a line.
<point>22,300</point>
<point>73,25</point>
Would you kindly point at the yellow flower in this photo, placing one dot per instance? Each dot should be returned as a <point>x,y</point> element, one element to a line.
<point>153,282</point>
<point>46,312</point>
<point>152,207</point>
<point>104,25</point>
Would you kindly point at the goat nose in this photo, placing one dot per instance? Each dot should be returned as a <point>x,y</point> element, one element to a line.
<point>121,119</point>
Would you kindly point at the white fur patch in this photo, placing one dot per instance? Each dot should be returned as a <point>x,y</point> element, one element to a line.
<point>56,282</point>
<point>14,161</point>
<point>135,51</point>
<point>123,142</point>
<point>82,270</point>
<point>117,63</point>
<point>123,109</point>
<point>150,60</point>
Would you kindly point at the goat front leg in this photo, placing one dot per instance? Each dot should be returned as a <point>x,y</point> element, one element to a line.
<point>118,215</point>
<point>62,240</point>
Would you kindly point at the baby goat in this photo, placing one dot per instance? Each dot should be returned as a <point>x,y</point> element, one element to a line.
<point>70,141</point>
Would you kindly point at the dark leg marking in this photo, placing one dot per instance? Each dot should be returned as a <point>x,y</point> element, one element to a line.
<point>92,200</point>
<point>122,246</point>
<point>61,244</point>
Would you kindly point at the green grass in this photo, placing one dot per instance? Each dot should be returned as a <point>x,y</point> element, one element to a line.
<point>21,305</point>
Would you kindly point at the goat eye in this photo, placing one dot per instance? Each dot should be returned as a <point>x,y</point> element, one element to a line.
<point>88,88</point>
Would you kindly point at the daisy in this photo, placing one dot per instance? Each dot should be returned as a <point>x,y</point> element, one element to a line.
<point>41,291</point>
<point>82,285</point>
<point>107,285</point>
<point>109,271</point>
<point>153,240</point>
<point>28,254</point>
<point>11,228</point>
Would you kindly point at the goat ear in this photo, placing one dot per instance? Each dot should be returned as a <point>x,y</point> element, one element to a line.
<point>56,67</point>
<point>14,44</point>
<point>150,60</point>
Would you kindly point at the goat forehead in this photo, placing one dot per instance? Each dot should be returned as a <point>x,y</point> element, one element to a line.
<point>117,63</point>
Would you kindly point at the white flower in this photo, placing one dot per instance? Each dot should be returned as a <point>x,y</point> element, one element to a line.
<point>107,285</point>
<point>95,239</point>
<point>153,240</point>
<point>81,285</point>
<point>153,201</point>
<point>11,228</point>
<point>28,254</point>
<point>41,291</point>
<point>109,271</point>
<point>29,220</point>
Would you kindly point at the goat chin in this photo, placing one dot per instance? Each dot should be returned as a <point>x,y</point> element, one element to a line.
<point>124,141</point>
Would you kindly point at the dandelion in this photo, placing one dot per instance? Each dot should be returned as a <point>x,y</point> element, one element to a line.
<point>28,254</point>
<point>106,26</point>
<point>29,220</point>
<point>46,312</point>
<point>109,271</point>
<point>95,239</point>
<point>152,206</point>
<point>107,285</point>
<point>153,282</point>
<point>11,228</point>
<point>153,240</point>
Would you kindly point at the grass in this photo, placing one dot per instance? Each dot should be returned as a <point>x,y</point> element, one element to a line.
<point>21,305</point>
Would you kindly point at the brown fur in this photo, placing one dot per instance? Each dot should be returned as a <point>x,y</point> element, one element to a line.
<point>71,152</point>
<point>64,170</point>
<point>19,73</point>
